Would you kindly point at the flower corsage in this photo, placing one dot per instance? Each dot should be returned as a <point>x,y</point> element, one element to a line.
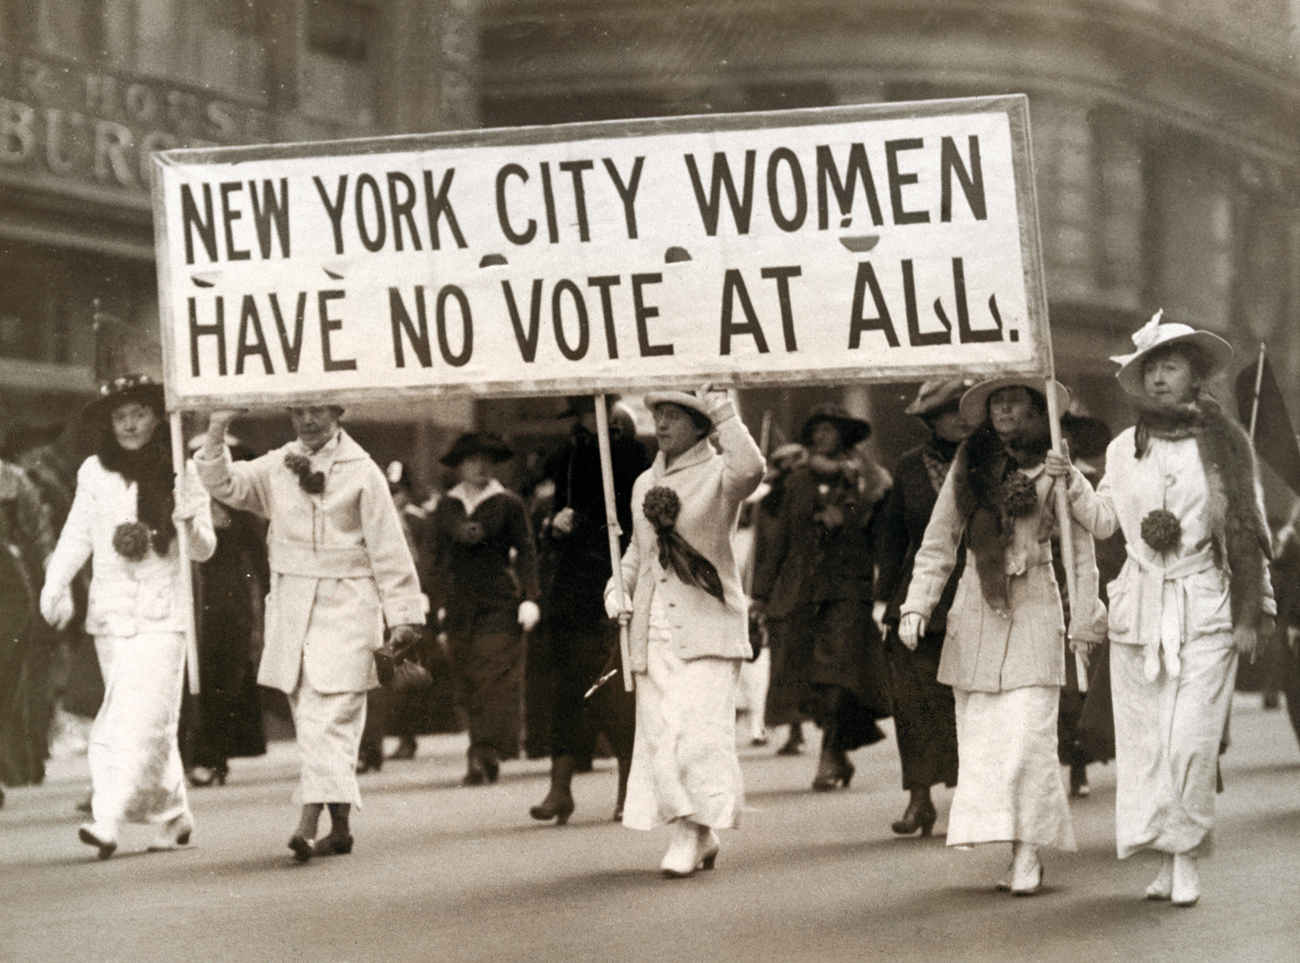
<point>1019,495</point>
<point>131,540</point>
<point>1161,530</point>
<point>312,482</point>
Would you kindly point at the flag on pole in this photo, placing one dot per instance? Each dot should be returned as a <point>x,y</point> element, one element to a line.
<point>1275,438</point>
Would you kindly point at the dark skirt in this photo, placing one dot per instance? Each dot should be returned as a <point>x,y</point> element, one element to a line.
<point>785,692</point>
<point>925,721</point>
<point>577,655</point>
<point>840,659</point>
<point>488,660</point>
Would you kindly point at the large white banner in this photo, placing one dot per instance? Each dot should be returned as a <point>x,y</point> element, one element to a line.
<point>866,243</point>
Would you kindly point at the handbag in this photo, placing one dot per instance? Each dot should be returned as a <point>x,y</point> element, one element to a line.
<point>400,673</point>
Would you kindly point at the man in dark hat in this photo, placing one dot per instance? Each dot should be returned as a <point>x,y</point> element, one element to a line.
<point>486,598</point>
<point>925,723</point>
<point>577,640</point>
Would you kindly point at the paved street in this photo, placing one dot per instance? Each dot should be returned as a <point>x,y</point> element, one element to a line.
<point>442,872</point>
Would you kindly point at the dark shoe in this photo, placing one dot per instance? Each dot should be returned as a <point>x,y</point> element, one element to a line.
<point>333,845</point>
<point>84,806</point>
<point>618,814</point>
<point>793,745</point>
<point>491,765</point>
<point>370,762</point>
<point>1079,788</point>
<point>475,773</point>
<point>557,806</point>
<point>405,749</point>
<point>93,835</point>
<point>833,769</point>
<point>302,848</point>
<point>919,814</point>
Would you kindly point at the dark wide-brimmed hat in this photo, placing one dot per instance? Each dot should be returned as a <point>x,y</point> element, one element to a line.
<point>1156,334</point>
<point>124,390</point>
<point>938,394</point>
<point>975,402</point>
<point>477,443</point>
<point>852,430</point>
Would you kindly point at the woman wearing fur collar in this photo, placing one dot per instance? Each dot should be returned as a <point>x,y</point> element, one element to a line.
<point>1004,654</point>
<point>124,521</point>
<point>1192,595</point>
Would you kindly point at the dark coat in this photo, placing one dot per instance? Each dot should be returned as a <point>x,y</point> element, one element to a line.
<point>580,559</point>
<point>900,528</point>
<point>470,554</point>
<point>801,562</point>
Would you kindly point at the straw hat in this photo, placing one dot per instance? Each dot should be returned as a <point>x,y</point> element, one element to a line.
<point>1156,334</point>
<point>683,399</point>
<point>974,403</point>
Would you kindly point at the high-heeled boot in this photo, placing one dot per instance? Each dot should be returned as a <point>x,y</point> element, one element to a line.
<point>558,804</point>
<point>1161,888</point>
<point>833,766</point>
<point>683,855</point>
<point>1026,870</point>
<point>624,769</point>
<point>1186,888</point>
<point>919,814</point>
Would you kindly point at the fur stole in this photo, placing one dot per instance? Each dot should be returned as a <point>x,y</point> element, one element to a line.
<point>1239,537</point>
<point>981,467</point>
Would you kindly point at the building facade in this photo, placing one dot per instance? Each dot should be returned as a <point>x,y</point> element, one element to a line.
<point>1165,136</point>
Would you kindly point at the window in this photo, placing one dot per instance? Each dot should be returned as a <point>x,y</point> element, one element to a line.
<point>338,78</point>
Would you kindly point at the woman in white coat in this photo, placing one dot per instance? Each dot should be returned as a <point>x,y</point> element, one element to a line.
<point>124,519</point>
<point>1004,646</point>
<point>1193,594</point>
<point>689,629</point>
<point>340,570</point>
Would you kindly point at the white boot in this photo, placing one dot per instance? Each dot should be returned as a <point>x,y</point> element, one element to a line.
<point>683,853</point>
<point>1161,887</point>
<point>174,833</point>
<point>1186,888</point>
<point>709,845</point>
<point>103,838</point>
<point>1026,870</point>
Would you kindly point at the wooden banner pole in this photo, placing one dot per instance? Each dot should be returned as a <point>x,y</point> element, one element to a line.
<point>612,526</point>
<point>183,551</point>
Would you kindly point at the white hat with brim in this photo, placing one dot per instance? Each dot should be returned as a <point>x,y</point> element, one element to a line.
<point>1155,335</point>
<point>683,399</point>
<point>974,403</point>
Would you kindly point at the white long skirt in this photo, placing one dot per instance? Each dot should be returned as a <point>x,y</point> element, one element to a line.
<point>1167,735</point>
<point>135,765</point>
<point>327,727</point>
<point>1008,777</point>
<point>684,759</point>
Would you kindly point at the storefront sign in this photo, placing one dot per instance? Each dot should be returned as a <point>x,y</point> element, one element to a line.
<point>867,243</point>
<point>65,121</point>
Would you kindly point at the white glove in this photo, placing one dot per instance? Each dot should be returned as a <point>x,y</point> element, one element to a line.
<point>612,609</point>
<point>716,402</point>
<point>185,500</point>
<point>563,521</point>
<point>529,615</point>
<point>911,626</point>
<point>56,605</point>
<point>878,614</point>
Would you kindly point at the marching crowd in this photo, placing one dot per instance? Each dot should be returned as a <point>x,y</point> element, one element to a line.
<point>938,595</point>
